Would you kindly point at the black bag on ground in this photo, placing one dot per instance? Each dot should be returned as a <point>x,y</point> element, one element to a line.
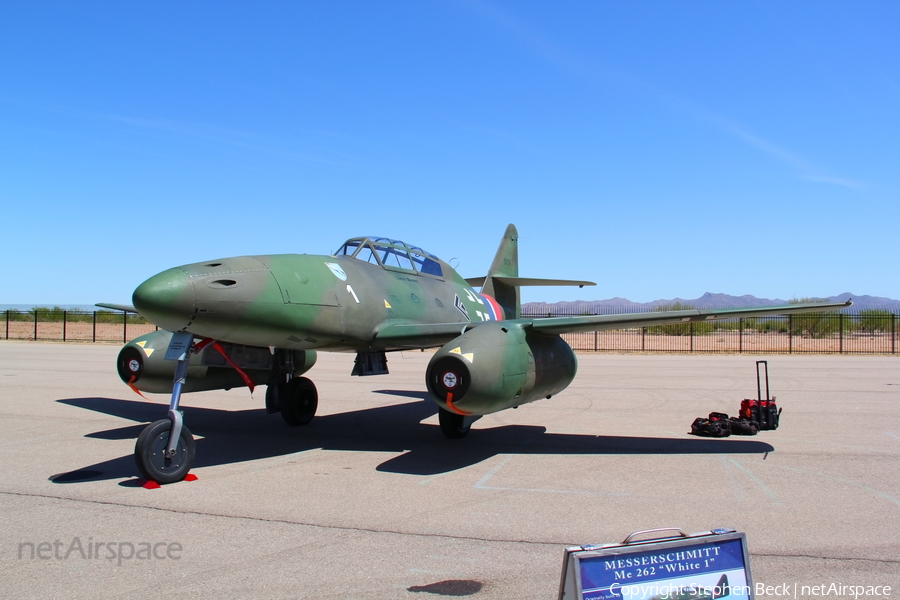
<point>740,426</point>
<point>709,428</point>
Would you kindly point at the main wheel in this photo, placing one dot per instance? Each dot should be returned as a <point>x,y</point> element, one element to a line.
<point>299,401</point>
<point>453,425</point>
<point>274,391</point>
<point>150,453</point>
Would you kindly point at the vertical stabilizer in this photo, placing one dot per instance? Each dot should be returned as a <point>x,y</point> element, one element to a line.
<point>506,264</point>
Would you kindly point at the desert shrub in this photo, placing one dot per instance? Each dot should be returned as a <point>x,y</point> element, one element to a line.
<point>679,328</point>
<point>17,315</point>
<point>873,320</point>
<point>815,325</point>
<point>56,314</point>
<point>779,325</point>
<point>49,315</point>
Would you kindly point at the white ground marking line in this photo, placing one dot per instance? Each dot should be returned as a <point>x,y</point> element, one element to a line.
<point>729,472</point>
<point>757,481</point>
<point>892,435</point>
<point>481,484</point>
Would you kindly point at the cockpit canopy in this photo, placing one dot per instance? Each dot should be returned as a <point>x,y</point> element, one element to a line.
<point>392,254</point>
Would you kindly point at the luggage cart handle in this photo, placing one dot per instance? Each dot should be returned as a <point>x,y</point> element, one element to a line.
<point>758,383</point>
<point>681,533</point>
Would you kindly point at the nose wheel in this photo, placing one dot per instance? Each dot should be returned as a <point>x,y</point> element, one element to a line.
<point>153,458</point>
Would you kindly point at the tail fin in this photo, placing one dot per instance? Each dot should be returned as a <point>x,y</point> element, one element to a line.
<point>506,264</point>
<point>502,282</point>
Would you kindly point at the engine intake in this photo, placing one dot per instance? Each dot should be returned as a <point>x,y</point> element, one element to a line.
<point>497,366</point>
<point>141,363</point>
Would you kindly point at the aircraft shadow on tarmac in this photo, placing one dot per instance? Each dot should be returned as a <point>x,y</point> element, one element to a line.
<point>243,435</point>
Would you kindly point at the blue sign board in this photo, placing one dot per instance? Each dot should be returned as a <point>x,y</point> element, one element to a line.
<point>705,566</point>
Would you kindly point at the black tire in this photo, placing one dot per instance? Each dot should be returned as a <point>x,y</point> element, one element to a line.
<point>299,401</point>
<point>453,425</point>
<point>150,453</point>
<point>274,391</point>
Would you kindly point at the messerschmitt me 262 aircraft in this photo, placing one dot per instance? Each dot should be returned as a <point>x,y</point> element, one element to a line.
<point>254,320</point>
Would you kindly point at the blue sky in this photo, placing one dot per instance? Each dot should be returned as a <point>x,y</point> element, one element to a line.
<point>661,149</point>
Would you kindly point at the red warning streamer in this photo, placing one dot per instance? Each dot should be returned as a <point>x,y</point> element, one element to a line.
<point>240,372</point>
<point>449,402</point>
<point>134,387</point>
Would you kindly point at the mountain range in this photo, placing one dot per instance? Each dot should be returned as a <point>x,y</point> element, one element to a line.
<point>707,300</point>
<point>621,305</point>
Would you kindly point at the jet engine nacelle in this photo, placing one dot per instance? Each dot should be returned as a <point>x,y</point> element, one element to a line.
<point>142,363</point>
<point>497,366</point>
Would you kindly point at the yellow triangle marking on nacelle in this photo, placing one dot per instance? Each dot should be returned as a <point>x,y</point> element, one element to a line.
<point>141,343</point>
<point>148,351</point>
<point>386,305</point>
<point>469,356</point>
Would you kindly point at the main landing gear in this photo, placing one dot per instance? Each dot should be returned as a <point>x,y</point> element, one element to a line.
<point>295,397</point>
<point>454,425</point>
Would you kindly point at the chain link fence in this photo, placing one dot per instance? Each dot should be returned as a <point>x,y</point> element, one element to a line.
<point>865,331</point>
<point>74,325</point>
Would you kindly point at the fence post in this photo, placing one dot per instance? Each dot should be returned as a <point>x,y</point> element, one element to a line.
<point>643,334</point>
<point>65,314</point>
<point>740,335</point>
<point>124,327</point>
<point>893,333</point>
<point>790,334</point>
<point>7,324</point>
<point>596,341</point>
<point>692,336</point>
<point>841,333</point>
<point>35,324</point>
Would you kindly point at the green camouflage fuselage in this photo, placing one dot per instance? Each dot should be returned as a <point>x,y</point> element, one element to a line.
<point>356,302</point>
<point>301,302</point>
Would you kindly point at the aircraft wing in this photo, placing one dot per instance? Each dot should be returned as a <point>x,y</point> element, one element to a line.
<point>422,335</point>
<point>123,307</point>
<point>527,281</point>
<point>557,325</point>
<point>417,335</point>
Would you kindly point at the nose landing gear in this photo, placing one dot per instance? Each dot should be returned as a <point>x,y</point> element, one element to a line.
<point>165,452</point>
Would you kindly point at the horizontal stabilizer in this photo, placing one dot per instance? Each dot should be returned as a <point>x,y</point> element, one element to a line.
<point>528,281</point>
<point>123,307</point>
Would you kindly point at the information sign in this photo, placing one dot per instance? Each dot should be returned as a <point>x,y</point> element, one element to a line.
<point>701,566</point>
<point>179,345</point>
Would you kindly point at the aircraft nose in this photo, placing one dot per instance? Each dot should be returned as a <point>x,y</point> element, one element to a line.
<point>167,299</point>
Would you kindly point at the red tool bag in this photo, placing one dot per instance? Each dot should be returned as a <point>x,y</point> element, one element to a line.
<point>764,412</point>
